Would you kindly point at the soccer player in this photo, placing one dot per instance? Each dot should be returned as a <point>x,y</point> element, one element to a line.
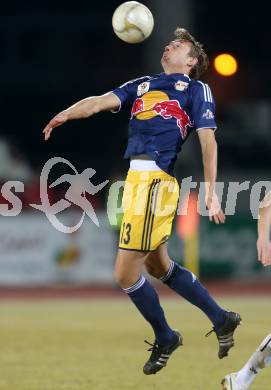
<point>165,109</point>
<point>261,358</point>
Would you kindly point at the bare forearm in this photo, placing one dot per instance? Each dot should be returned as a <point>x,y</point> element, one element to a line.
<point>264,225</point>
<point>209,158</point>
<point>91,105</point>
<point>83,109</point>
<point>264,221</point>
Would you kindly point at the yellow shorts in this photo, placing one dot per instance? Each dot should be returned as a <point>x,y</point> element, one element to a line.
<point>149,204</point>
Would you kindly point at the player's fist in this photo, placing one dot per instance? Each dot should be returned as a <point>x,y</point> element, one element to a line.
<point>264,251</point>
<point>58,120</point>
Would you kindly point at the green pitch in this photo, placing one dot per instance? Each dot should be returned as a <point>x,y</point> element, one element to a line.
<point>98,345</point>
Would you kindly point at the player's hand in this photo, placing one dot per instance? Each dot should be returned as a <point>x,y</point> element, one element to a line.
<point>264,251</point>
<point>58,120</point>
<point>216,214</point>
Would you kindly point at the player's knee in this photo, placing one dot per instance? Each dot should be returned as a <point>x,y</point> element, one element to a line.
<point>122,277</point>
<point>119,275</point>
<point>151,270</point>
<point>155,271</point>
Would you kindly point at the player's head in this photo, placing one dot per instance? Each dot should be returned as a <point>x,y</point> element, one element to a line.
<point>185,54</point>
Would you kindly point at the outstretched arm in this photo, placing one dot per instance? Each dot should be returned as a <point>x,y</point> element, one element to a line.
<point>83,109</point>
<point>209,159</point>
<point>264,226</point>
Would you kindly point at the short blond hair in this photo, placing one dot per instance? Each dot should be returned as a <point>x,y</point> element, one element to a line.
<point>196,51</point>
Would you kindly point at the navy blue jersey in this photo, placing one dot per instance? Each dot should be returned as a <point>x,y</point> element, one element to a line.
<point>165,109</point>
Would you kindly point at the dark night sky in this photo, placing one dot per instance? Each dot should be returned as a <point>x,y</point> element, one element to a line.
<point>55,54</point>
<point>242,29</point>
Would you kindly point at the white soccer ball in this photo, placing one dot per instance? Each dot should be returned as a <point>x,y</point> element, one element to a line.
<point>132,22</point>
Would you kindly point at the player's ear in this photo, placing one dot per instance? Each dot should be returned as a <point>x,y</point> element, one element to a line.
<point>192,61</point>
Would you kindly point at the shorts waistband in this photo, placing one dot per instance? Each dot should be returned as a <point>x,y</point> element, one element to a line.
<point>138,176</point>
<point>144,165</point>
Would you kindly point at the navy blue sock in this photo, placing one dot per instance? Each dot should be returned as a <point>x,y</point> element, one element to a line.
<point>146,300</point>
<point>185,283</point>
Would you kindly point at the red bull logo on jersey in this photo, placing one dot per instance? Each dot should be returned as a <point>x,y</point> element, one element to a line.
<point>157,103</point>
<point>138,107</point>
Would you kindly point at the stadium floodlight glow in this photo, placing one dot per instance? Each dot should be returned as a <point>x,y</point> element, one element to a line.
<point>225,64</point>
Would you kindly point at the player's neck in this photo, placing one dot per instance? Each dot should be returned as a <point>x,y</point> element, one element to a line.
<point>171,70</point>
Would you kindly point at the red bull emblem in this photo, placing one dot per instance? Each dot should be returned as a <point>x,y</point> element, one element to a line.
<point>167,109</point>
<point>138,107</point>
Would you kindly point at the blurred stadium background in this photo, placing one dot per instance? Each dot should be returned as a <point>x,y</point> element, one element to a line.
<point>55,53</point>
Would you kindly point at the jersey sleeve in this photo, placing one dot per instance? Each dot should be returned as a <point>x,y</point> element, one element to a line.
<point>203,107</point>
<point>127,92</point>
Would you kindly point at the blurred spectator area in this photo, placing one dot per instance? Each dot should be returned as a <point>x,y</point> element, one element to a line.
<point>246,134</point>
<point>15,167</point>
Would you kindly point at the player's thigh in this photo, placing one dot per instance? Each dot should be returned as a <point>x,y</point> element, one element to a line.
<point>158,261</point>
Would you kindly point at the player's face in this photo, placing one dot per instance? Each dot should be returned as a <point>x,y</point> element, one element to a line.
<point>176,54</point>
